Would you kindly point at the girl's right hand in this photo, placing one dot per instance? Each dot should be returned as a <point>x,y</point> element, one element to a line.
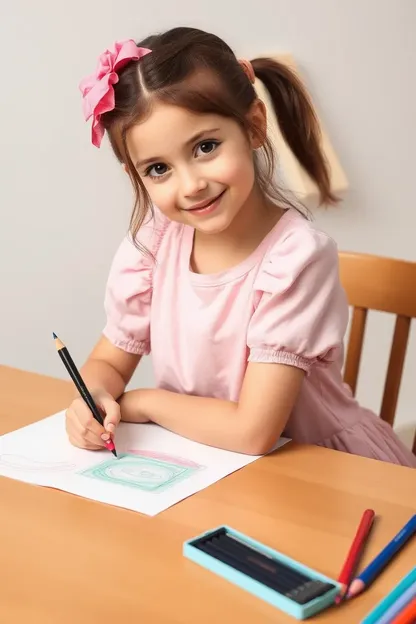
<point>82,428</point>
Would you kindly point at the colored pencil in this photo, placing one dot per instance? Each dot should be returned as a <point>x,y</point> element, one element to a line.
<point>398,605</point>
<point>391,598</point>
<point>408,615</point>
<point>355,552</point>
<point>81,387</point>
<point>281,580</point>
<point>383,558</point>
<point>259,560</point>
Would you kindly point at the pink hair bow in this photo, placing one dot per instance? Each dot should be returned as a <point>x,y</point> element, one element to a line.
<point>97,89</point>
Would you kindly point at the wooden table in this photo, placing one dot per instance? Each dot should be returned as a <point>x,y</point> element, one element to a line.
<point>67,560</point>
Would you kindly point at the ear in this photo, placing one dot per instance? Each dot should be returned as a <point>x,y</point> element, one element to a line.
<point>257,118</point>
<point>124,166</point>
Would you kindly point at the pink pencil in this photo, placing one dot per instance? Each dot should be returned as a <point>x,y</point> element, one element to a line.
<point>354,554</point>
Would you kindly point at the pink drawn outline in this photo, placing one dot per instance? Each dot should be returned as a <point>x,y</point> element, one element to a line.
<point>181,461</point>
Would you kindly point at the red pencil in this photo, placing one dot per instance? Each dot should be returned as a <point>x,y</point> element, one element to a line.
<point>354,554</point>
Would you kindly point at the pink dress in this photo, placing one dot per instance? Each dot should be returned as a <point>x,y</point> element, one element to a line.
<point>284,304</point>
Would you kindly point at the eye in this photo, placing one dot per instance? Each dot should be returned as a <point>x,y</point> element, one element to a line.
<point>206,147</point>
<point>157,170</point>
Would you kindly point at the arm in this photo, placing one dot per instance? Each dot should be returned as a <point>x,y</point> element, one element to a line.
<point>127,305</point>
<point>300,319</point>
<point>106,373</point>
<point>109,368</point>
<point>251,426</point>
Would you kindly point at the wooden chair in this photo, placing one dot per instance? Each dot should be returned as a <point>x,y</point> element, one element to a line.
<point>386,285</point>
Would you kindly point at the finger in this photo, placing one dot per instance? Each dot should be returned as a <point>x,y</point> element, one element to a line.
<point>89,447</point>
<point>113,414</point>
<point>83,444</point>
<point>77,439</point>
<point>71,423</point>
<point>91,438</point>
<point>85,417</point>
<point>77,429</point>
<point>81,413</point>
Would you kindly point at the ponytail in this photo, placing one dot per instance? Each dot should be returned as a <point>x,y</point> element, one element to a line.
<point>297,121</point>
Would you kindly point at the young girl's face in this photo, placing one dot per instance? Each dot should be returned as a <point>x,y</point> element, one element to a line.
<point>197,168</point>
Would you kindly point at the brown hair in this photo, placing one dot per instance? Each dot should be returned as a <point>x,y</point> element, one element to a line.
<point>198,71</point>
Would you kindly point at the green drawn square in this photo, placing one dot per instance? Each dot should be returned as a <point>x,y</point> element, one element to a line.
<point>142,473</point>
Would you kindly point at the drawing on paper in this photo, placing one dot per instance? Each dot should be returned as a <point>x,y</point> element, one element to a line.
<point>143,470</point>
<point>26,464</point>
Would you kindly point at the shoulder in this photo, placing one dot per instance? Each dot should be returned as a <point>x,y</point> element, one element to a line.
<point>302,312</point>
<point>151,232</point>
<point>142,249</point>
<point>297,246</point>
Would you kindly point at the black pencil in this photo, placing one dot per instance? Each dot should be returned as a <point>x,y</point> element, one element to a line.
<point>284,578</point>
<point>239,565</point>
<point>263,568</point>
<point>300,593</point>
<point>81,387</point>
<point>278,569</point>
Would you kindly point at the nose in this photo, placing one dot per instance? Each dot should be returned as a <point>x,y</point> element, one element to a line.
<point>192,182</point>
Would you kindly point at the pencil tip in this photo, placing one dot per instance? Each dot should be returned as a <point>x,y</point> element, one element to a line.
<point>355,588</point>
<point>114,452</point>
<point>54,336</point>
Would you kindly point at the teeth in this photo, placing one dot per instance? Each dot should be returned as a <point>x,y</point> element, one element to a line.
<point>206,205</point>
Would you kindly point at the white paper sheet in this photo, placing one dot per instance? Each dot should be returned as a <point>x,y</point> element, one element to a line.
<point>156,468</point>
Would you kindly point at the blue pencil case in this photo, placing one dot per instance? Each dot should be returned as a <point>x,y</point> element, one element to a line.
<point>281,581</point>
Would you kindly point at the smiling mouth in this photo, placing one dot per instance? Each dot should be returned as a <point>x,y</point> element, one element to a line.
<point>206,205</point>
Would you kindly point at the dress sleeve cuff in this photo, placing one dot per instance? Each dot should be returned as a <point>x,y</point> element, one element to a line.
<point>280,357</point>
<point>137,347</point>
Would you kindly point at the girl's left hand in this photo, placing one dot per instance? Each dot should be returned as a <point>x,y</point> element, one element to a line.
<point>130,407</point>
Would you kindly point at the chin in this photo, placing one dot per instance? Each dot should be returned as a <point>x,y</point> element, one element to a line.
<point>212,226</point>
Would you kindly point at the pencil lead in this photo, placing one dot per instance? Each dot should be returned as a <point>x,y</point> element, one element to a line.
<point>54,336</point>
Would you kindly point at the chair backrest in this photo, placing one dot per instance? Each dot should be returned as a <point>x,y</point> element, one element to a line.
<point>386,285</point>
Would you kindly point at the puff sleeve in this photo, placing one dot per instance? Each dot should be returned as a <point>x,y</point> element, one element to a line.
<point>128,294</point>
<point>302,312</point>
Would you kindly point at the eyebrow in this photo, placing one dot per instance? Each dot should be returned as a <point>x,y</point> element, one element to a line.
<point>193,139</point>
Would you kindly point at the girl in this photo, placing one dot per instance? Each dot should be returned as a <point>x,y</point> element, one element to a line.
<point>234,291</point>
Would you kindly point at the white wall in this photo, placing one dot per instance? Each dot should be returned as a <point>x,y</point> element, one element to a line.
<point>64,204</point>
